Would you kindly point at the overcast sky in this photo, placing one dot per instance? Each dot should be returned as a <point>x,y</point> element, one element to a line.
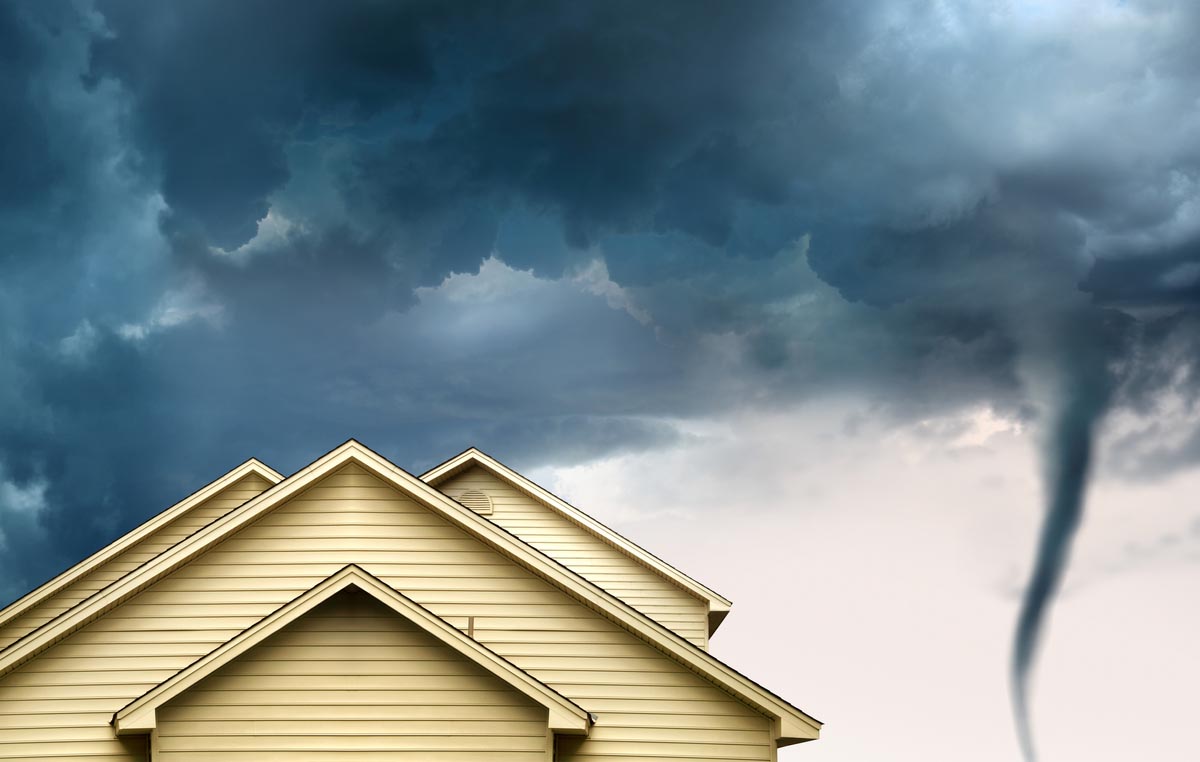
<point>829,303</point>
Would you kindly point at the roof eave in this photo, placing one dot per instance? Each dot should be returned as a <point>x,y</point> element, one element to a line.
<point>716,615</point>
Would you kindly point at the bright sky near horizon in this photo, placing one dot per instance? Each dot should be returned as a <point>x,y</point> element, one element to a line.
<point>875,575</point>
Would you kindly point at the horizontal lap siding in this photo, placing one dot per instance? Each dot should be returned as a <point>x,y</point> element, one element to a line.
<point>632,687</point>
<point>352,677</point>
<point>587,555</point>
<point>213,508</point>
<point>648,707</point>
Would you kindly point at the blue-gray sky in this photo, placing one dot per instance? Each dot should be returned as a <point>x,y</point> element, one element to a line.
<point>563,231</point>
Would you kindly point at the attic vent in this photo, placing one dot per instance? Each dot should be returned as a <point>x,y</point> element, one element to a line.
<point>476,501</point>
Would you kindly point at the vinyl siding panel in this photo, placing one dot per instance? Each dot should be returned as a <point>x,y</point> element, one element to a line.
<point>299,696</point>
<point>350,517</point>
<point>213,508</point>
<point>587,555</point>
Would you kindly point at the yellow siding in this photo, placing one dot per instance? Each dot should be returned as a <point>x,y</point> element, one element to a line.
<point>299,696</point>
<point>650,707</point>
<point>215,507</point>
<point>587,555</point>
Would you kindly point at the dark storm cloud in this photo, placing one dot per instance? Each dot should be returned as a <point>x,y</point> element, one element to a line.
<point>220,89</point>
<point>29,165</point>
<point>1164,278</point>
<point>232,228</point>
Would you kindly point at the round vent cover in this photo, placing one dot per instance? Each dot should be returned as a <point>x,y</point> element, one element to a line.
<point>477,501</point>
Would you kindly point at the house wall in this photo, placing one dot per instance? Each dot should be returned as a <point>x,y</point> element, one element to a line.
<point>215,507</point>
<point>587,555</point>
<point>650,708</point>
<point>351,677</point>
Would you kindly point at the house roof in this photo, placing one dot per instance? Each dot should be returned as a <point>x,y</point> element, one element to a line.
<point>718,605</point>
<point>565,716</point>
<point>253,466</point>
<point>791,724</point>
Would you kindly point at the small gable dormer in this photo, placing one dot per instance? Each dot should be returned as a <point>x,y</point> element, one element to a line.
<point>579,542</point>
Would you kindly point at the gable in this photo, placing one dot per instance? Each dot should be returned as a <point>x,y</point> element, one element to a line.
<point>140,715</point>
<point>299,696</point>
<point>585,553</point>
<point>473,459</point>
<point>135,548</point>
<point>167,627</point>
